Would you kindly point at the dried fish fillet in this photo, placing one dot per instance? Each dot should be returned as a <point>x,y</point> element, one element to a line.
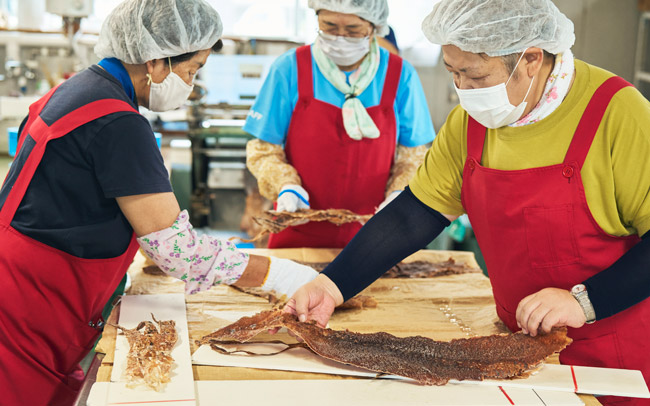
<point>422,359</point>
<point>275,221</point>
<point>153,270</point>
<point>359,302</point>
<point>272,297</point>
<point>149,361</point>
<point>415,269</point>
<point>427,269</point>
<point>412,269</point>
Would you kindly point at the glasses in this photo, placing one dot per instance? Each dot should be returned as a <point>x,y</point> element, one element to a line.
<point>352,40</point>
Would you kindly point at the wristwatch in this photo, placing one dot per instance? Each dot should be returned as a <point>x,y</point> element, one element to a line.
<point>579,292</point>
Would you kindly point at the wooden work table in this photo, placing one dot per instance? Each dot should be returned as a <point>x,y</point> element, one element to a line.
<point>442,308</point>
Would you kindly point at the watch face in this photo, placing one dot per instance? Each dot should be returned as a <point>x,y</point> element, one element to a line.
<point>578,288</point>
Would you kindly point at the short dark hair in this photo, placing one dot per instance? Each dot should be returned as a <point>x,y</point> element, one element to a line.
<point>175,60</point>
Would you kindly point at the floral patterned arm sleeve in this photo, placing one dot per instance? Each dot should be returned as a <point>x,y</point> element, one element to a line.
<point>406,163</point>
<point>268,163</point>
<point>199,261</point>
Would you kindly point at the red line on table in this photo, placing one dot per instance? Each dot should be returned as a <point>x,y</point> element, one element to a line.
<point>508,397</point>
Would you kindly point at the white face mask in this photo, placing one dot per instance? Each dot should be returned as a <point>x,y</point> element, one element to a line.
<point>490,106</point>
<point>342,51</point>
<point>170,94</point>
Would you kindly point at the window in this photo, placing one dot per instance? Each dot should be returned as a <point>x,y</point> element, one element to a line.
<point>281,19</point>
<point>287,19</point>
<point>31,14</point>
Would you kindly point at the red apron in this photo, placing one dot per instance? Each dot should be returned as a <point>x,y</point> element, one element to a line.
<point>535,231</point>
<point>52,301</point>
<point>337,171</point>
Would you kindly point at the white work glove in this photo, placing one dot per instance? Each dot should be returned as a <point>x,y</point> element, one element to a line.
<point>389,199</point>
<point>286,276</point>
<point>292,198</point>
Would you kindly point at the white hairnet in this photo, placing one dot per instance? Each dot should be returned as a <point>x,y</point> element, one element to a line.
<point>499,27</point>
<point>138,31</point>
<point>375,11</point>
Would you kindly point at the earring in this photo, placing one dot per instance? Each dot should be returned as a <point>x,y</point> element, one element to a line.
<point>149,79</point>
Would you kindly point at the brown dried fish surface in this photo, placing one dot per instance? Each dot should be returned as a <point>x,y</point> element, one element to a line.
<point>358,302</point>
<point>425,360</point>
<point>275,221</point>
<point>428,269</point>
<point>412,269</point>
<point>275,299</point>
<point>415,269</point>
<point>153,270</point>
<point>149,361</point>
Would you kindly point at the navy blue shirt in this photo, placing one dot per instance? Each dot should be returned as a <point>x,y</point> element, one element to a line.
<point>70,203</point>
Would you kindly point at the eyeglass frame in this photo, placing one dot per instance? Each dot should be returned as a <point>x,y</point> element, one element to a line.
<point>352,40</point>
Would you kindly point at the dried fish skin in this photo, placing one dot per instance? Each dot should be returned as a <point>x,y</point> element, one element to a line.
<point>358,302</point>
<point>149,361</point>
<point>415,269</point>
<point>427,269</point>
<point>275,221</point>
<point>425,360</point>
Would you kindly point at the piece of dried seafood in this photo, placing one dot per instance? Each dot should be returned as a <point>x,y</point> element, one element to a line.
<point>275,221</point>
<point>358,302</point>
<point>415,269</point>
<point>425,360</point>
<point>149,361</point>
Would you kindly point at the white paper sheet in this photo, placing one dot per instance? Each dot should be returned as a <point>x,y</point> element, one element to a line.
<point>595,381</point>
<point>295,359</point>
<point>358,392</point>
<point>599,381</point>
<point>178,392</point>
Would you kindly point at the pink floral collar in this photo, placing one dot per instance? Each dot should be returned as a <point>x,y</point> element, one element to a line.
<point>556,89</point>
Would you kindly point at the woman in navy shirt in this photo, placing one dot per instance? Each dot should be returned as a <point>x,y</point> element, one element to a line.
<point>88,186</point>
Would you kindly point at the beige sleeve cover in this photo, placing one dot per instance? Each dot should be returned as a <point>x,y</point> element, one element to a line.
<point>268,163</point>
<point>407,161</point>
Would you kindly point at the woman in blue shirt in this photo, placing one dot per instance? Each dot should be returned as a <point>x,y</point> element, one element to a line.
<point>339,124</point>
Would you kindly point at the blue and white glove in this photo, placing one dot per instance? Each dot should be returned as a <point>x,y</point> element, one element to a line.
<point>286,276</point>
<point>389,199</point>
<point>292,198</point>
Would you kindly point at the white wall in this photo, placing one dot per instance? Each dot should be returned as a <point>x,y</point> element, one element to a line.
<point>606,32</point>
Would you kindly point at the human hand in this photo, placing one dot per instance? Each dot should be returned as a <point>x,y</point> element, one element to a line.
<point>548,308</point>
<point>387,200</point>
<point>316,301</point>
<point>292,198</point>
<point>286,276</point>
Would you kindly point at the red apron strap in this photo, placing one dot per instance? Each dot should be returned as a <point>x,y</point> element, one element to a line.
<point>391,83</point>
<point>85,114</point>
<point>34,110</point>
<point>475,139</point>
<point>305,78</point>
<point>591,118</point>
<point>42,134</point>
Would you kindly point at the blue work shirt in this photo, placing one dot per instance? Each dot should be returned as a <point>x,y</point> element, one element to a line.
<point>270,116</point>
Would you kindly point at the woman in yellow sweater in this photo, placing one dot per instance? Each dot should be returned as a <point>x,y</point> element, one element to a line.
<point>548,156</point>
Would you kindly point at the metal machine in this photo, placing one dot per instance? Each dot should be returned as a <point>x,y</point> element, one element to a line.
<point>70,8</point>
<point>219,179</point>
<point>31,61</point>
<point>71,11</point>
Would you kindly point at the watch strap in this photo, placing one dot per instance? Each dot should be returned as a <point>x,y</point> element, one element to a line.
<point>585,304</point>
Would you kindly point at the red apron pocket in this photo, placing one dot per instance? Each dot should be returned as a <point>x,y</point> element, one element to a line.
<point>550,236</point>
<point>601,351</point>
